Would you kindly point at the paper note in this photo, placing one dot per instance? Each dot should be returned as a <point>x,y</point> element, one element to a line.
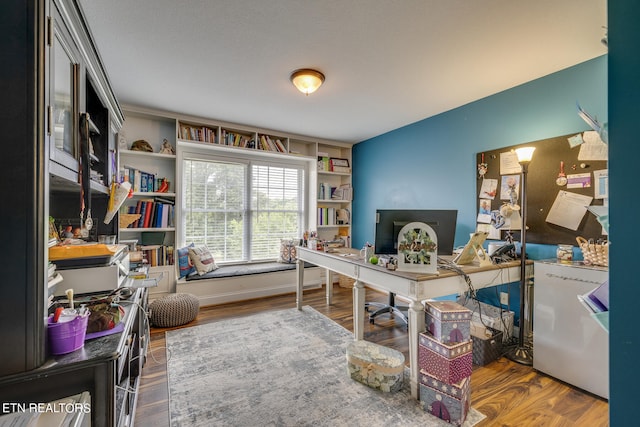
<point>579,180</point>
<point>575,140</point>
<point>489,188</point>
<point>509,163</point>
<point>601,184</point>
<point>593,147</point>
<point>568,209</point>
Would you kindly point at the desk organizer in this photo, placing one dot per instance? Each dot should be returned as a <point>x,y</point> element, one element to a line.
<point>67,336</point>
<point>379,367</point>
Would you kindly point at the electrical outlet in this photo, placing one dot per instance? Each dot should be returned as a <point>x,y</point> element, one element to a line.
<point>504,298</point>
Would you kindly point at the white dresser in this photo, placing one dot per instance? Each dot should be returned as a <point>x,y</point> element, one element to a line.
<point>568,343</point>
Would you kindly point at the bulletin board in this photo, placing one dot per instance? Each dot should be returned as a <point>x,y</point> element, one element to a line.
<point>543,192</point>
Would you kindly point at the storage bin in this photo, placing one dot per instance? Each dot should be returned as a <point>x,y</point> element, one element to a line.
<point>152,238</point>
<point>447,321</point>
<point>491,316</point>
<point>487,344</point>
<point>67,336</point>
<point>449,402</point>
<point>449,363</point>
<point>377,366</point>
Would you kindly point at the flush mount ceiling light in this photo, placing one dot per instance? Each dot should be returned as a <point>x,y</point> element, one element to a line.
<point>307,80</point>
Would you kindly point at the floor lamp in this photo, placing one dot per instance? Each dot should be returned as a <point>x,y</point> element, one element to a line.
<point>522,352</point>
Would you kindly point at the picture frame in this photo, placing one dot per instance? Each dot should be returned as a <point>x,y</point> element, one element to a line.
<point>339,162</point>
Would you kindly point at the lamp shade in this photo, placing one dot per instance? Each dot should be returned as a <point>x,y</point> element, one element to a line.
<point>307,80</point>
<point>525,154</point>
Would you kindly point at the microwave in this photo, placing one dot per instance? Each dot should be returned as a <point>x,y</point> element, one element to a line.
<point>106,276</point>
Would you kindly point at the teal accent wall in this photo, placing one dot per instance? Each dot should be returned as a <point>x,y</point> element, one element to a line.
<point>431,164</point>
<point>624,155</point>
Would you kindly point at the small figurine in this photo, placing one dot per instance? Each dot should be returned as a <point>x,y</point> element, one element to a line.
<point>167,148</point>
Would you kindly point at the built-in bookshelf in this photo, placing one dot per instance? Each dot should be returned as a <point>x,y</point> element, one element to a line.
<point>152,201</point>
<point>335,192</point>
<point>330,165</point>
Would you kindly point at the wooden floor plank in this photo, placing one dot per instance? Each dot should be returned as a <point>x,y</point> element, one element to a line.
<point>509,394</point>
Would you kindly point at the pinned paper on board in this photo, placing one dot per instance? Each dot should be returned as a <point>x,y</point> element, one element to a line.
<point>593,148</point>
<point>509,163</point>
<point>568,209</point>
<point>489,188</point>
<point>601,184</point>
<point>579,180</point>
<point>575,140</point>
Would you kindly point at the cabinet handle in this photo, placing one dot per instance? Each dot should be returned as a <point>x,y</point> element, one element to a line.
<point>556,276</point>
<point>49,118</point>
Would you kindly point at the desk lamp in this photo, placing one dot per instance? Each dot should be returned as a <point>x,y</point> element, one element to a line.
<point>522,352</point>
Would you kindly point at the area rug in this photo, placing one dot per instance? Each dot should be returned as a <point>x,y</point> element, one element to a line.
<point>278,368</point>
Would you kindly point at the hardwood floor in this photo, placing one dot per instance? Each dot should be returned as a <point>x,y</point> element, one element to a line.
<point>509,394</point>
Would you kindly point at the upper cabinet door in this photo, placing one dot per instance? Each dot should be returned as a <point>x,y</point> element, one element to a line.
<point>64,72</point>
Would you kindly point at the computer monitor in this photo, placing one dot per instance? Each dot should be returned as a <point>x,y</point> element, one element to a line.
<point>389,222</point>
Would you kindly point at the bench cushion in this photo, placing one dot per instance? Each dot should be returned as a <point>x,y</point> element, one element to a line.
<point>245,269</point>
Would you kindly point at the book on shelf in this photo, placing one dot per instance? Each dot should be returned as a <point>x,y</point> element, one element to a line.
<point>323,164</point>
<point>153,214</point>
<point>197,133</point>
<point>141,181</point>
<point>343,192</point>
<point>157,255</point>
<point>326,216</point>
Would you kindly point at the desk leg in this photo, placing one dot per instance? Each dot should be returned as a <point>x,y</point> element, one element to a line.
<point>299,283</point>
<point>358,310</point>
<point>416,325</point>
<point>329,281</point>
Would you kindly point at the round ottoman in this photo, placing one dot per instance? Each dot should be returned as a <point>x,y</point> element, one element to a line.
<point>174,310</point>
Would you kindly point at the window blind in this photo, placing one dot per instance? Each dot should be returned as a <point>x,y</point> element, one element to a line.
<point>241,209</point>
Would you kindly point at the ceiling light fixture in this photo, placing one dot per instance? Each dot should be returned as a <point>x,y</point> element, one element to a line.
<point>307,80</point>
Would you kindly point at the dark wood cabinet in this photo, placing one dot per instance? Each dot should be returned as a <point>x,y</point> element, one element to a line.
<point>107,368</point>
<point>51,74</point>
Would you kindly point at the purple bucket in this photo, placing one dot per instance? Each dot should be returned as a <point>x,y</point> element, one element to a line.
<point>68,336</point>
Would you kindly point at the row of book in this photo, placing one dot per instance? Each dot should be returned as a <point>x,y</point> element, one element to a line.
<point>342,192</point>
<point>333,216</point>
<point>268,144</point>
<point>153,256</point>
<point>157,255</point>
<point>197,133</point>
<point>236,140</point>
<point>154,213</point>
<point>144,182</point>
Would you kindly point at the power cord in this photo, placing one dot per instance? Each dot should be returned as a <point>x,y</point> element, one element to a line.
<point>147,326</point>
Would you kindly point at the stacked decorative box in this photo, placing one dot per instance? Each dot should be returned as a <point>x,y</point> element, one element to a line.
<point>445,359</point>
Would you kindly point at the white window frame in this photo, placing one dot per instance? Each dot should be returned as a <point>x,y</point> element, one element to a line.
<point>191,151</point>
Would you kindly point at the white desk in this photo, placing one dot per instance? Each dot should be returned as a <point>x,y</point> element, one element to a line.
<point>416,287</point>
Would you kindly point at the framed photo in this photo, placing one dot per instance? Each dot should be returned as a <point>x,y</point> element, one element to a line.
<point>340,162</point>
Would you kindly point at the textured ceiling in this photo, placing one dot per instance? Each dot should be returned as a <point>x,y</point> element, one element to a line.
<point>387,63</point>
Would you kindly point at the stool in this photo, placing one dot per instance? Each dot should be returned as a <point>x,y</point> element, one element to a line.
<point>174,310</point>
<point>377,366</point>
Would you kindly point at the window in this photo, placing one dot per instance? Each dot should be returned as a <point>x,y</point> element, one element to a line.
<point>241,208</point>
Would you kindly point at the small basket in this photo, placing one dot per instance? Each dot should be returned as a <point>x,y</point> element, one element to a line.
<point>594,253</point>
<point>128,219</point>
<point>68,336</point>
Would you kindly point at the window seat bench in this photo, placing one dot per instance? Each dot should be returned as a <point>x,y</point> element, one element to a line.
<point>231,283</point>
<point>245,270</point>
